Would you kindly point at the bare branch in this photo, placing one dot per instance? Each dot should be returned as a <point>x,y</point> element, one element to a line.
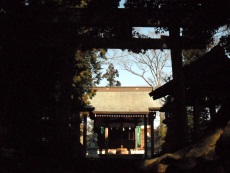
<point>151,66</point>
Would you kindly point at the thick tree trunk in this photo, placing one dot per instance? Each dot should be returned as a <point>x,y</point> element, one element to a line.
<point>62,137</point>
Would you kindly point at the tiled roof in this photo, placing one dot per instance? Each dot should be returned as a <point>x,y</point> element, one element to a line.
<point>123,99</point>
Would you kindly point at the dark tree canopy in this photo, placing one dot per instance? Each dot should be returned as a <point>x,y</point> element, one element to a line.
<point>225,42</point>
<point>87,75</point>
<point>201,19</point>
<point>14,4</point>
<point>103,3</point>
<point>43,86</point>
<point>110,76</point>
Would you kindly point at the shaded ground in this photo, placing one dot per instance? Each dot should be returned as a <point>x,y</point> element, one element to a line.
<point>195,164</point>
<point>78,166</point>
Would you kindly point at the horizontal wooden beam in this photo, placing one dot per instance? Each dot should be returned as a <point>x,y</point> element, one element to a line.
<point>133,43</point>
<point>120,113</point>
<point>99,17</point>
<point>114,17</point>
<point>59,27</point>
<point>166,89</point>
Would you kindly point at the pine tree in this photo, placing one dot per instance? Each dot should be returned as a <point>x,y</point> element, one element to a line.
<point>87,75</point>
<point>110,75</point>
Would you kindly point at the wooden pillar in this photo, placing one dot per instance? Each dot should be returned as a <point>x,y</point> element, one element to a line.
<point>85,135</point>
<point>122,135</point>
<point>145,135</point>
<point>106,140</point>
<point>151,122</point>
<point>180,117</point>
<point>136,132</point>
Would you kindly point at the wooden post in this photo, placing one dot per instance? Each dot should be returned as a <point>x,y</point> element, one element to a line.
<point>151,122</point>
<point>180,117</point>
<point>106,139</point>
<point>121,134</point>
<point>64,105</point>
<point>145,135</point>
<point>135,132</point>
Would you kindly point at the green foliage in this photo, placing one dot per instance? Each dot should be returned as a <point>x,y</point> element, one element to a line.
<point>87,75</point>
<point>103,3</point>
<point>140,4</point>
<point>88,63</point>
<point>192,54</point>
<point>225,42</point>
<point>190,117</point>
<point>204,119</point>
<point>200,19</point>
<point>110,75</point>
<point>12,4</point>
<point>79,3</point>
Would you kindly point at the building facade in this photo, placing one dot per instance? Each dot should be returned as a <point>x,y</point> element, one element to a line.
<point>123,121</point>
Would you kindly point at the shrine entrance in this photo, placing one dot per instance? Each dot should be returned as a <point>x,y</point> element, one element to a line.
<point>66,37</point>
<point>123,132</point>
<point>121,135</point>
<point>123,121</point>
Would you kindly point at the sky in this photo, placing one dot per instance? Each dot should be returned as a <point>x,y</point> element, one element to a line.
<point>125,77</point>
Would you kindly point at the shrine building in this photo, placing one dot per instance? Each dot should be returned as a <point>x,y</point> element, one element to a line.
<point>124,119</point>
